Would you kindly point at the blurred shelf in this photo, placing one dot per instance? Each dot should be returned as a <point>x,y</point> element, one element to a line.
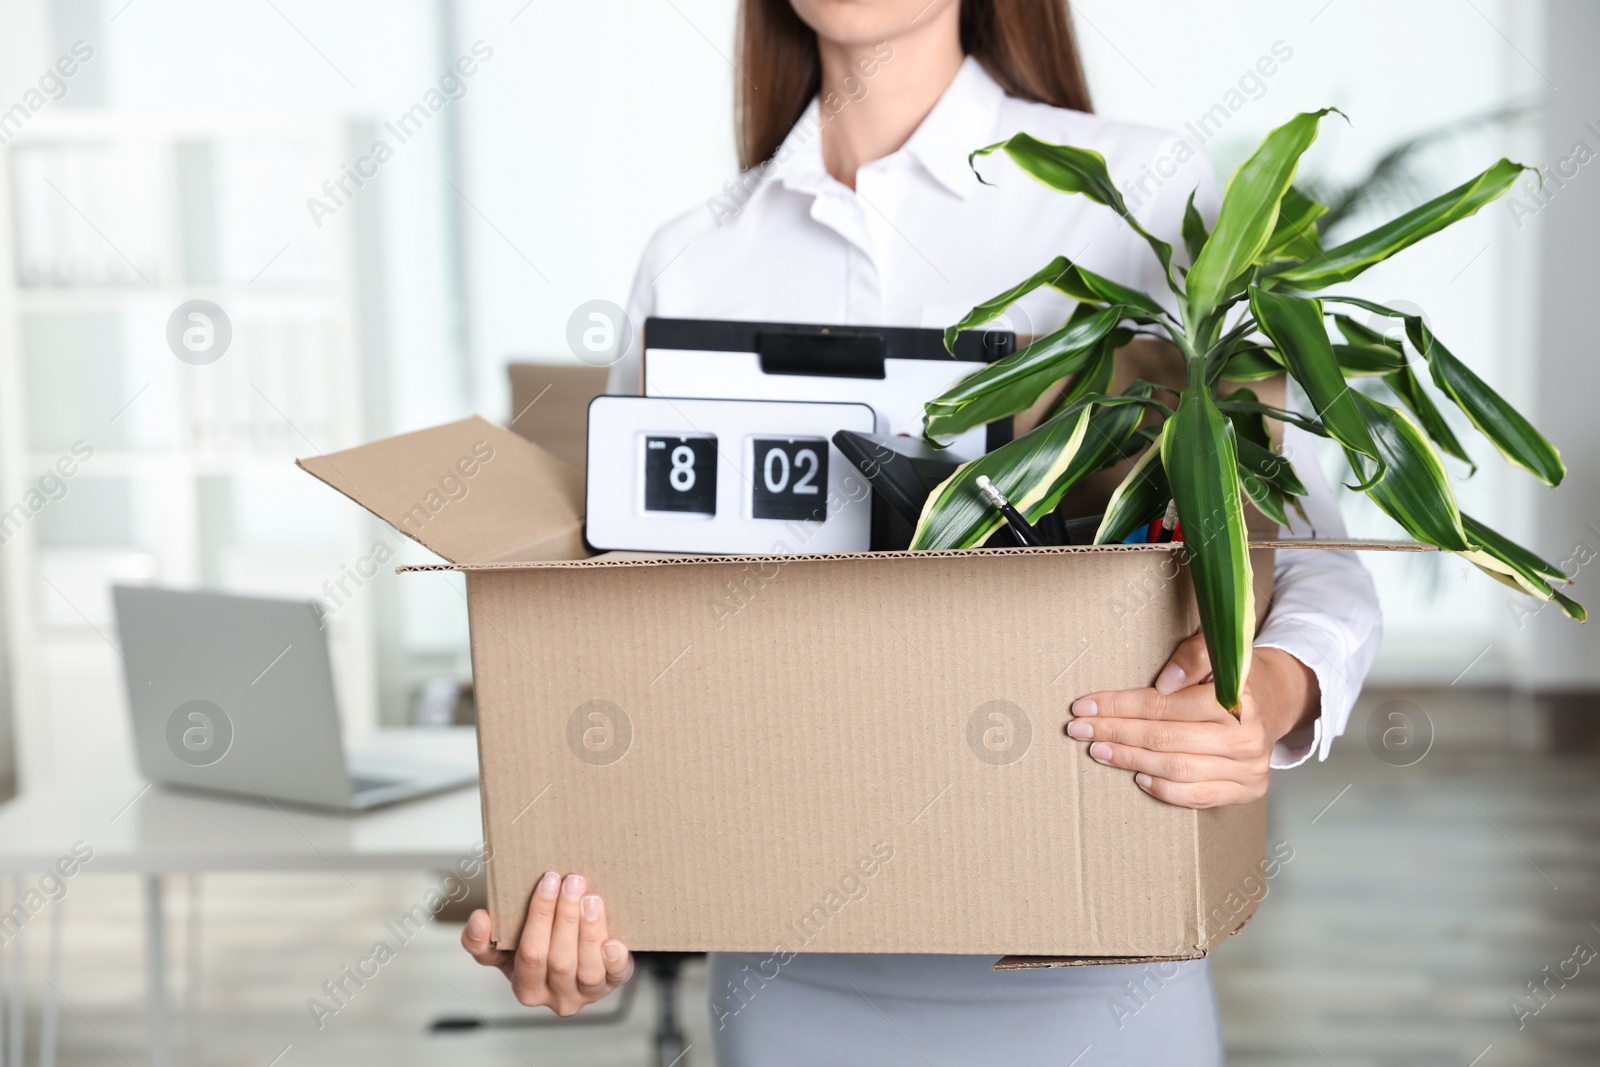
<point>159,463</point>
<point>73,299</point>
<point>185,205</point>
<point>141,125</point>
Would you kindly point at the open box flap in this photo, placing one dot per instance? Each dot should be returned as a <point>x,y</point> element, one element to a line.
<point>469,490</point>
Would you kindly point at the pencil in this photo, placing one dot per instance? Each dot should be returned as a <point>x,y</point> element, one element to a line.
<point>1024,531</point>
<point>1169,521</point>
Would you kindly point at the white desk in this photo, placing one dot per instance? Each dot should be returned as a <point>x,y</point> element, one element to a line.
<point>135,827</point>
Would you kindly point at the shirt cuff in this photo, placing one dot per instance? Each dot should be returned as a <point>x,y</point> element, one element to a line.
<point>1296,746</point>
<point>1323,653</point>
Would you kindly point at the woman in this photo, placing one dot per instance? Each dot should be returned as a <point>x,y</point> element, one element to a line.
<point>855,120</point>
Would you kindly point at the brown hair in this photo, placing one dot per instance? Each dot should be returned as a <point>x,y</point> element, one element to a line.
<point>1025,45</point>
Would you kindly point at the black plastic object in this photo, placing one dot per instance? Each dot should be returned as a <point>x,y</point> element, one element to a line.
<point>903,471</point>
<point>1079,531</point>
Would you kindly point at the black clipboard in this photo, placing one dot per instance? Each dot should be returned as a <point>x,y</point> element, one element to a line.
<point>845,354</point>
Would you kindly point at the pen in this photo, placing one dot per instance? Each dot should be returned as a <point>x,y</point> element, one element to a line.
<point>1025,532</point>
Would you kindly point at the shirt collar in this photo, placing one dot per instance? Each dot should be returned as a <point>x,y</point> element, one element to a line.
<point>962,121</point>
<point>797,163</point>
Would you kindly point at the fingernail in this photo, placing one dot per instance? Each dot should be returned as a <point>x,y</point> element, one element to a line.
<point>1143,780</point>
<point>1081,730</point>
<point>573,886</point>
<point>591,907</point>
<point>478,926</point>
<point>1171,679</point>
<point>1100,751</point>
<point>549,885</point>
<point>612,950</point>
<point>1085,707</point>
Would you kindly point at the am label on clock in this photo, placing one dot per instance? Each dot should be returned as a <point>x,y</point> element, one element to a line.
<point>789,478</point>
<point>680,474</point>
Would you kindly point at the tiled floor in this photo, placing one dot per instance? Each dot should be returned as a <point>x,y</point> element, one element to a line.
<point>268,944</point>
<point>1419,901</point>
<point>1414,911</point>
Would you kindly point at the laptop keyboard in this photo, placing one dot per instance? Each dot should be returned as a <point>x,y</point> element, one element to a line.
<point>361,784</point>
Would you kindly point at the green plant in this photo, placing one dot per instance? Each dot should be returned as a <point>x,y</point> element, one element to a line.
<point>1251,306</point>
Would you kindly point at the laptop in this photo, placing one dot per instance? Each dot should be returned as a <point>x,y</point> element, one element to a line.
<point>234,694</point>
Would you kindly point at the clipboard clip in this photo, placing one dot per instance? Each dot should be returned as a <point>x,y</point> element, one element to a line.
<point>821,353</point>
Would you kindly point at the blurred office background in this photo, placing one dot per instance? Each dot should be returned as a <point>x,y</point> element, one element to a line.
<point>178,162</point>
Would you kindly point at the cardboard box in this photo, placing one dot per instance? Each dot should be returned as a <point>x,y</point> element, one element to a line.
<point>826,753</point>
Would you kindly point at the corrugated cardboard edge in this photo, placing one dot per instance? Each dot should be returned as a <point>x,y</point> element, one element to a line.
<point>485,789</point>
<point>1024,963</point>
<point>635,559</point>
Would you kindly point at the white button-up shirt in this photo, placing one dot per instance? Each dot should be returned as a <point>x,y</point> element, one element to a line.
<point>920,240</point>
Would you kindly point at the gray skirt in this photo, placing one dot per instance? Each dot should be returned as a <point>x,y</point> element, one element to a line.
<point>884,1011</point>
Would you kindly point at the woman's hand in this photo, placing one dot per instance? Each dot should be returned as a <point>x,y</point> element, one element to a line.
<point>1183,746</point>
<point>564,959</point>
